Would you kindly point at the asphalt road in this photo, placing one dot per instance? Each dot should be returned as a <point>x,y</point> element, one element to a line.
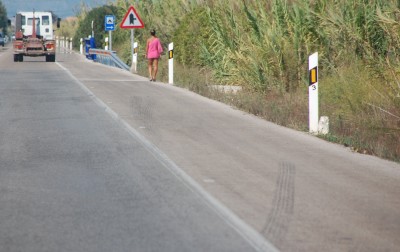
<point>72,178</point>
<point>86,143</point>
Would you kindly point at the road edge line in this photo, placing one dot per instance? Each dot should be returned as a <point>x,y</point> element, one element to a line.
<point>255,239</point>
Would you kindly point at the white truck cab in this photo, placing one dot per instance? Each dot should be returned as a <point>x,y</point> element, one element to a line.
<point>43,23</point>
<point>34,36</point>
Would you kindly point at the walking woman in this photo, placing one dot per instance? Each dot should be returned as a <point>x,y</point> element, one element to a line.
<point>153,53</point>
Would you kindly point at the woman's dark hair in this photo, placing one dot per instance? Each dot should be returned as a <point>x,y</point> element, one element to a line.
<point>153,32</point>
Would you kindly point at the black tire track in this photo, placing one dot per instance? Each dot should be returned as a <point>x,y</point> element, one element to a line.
<point>142,109</point>
<point>278,220</point>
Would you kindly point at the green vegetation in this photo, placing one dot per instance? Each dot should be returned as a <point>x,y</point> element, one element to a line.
<point>68,27</point>
<point>85,19</point>
<point>263,46</point>
<point>3,18</point>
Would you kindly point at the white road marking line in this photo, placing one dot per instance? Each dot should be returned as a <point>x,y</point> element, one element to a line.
<point>110,80</point>
<point>252,236</point>
<point>209,181</point>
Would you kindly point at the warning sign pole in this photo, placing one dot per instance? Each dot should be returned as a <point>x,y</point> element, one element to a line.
<point>132,21</point>
<point>133,47</point>
<point>135,54</point>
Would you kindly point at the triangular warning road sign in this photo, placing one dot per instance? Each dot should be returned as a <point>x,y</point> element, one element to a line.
<point>131,20</point>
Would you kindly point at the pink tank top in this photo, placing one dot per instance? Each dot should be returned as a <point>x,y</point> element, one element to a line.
<point>154,49</point>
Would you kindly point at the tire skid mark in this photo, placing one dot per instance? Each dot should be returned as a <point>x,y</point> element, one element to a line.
<point>143,110</point>
<point>278,220</point>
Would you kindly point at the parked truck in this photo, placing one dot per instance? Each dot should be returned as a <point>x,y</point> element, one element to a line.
<point>34,36</point>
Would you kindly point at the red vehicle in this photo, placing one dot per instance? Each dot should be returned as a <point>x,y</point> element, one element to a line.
<point>34,36</point>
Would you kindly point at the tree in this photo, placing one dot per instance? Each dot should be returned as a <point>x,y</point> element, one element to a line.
<point>68,27</point>
<point>3,17</point>
<point>96,16</point>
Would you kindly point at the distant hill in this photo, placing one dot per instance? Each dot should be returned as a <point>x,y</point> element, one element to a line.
<point>62,8</point>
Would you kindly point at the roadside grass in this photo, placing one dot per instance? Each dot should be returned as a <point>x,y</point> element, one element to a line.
<point>361,111</point>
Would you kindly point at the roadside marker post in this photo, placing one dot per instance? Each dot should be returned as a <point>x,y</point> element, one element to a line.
<point>135,54</point>
<point>313,93</point>
<point>171,63</point>
<point>133,45</point>
<point>81,46</point>
<point>66,44</point>
<point>106,41</point>
<point>131,21</point>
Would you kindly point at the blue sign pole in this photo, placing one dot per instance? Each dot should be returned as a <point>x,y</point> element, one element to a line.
<point>109,25</point>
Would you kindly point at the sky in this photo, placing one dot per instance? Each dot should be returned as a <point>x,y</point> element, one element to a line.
<point>62,8</point>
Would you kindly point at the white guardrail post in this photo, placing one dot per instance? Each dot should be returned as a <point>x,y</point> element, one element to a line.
<point>171,63</point>
<point>81,46</point>
<point>135,58</point>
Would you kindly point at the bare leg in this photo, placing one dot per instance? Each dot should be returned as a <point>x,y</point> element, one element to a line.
<point>150,67</point>
<point>155,70</point>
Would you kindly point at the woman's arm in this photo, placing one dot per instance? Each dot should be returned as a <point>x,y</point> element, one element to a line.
<point>160,49</point>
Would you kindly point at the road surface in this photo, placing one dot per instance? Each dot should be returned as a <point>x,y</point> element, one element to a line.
<point>73,179</point>
<point>93,156</point>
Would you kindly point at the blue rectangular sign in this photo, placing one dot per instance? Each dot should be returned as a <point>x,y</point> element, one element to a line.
<point>109,23</point>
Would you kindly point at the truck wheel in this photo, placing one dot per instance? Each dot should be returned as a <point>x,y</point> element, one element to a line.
<point>18,57</point>
<point>50,58</point>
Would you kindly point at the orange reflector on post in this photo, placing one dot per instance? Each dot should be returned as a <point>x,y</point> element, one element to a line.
<point>313,76</point>
<point>171,54</point>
